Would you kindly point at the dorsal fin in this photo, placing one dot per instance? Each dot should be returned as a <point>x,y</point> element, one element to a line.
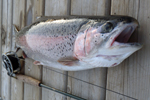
<point>16,30</point>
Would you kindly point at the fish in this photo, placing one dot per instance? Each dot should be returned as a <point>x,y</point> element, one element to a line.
<point>74,43</point>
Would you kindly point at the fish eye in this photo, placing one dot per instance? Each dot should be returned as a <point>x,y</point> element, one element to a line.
<point>107,27</point>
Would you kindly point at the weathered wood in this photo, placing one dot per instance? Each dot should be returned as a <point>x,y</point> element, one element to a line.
<point>51,78</point>
<point>32,92</point>
<point>33,10</point>
<point>85,90</point>
<point>68,7</point>
<point>55,7</point>
<point>0,44</point>
<point>88,7</point>
<point>126,7</point>
<point>132,76</point>
<point>6,24</point>
<point>17,87</point>
<point>95,76</point>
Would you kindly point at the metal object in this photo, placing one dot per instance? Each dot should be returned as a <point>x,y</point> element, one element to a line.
<point>11,62</point>
<point>61,92</point>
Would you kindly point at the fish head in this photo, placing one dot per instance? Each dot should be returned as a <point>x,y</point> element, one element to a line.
<point>104,42</point>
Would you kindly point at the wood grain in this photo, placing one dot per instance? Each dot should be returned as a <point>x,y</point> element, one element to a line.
<point>85,90</point>
<point>51,78</point>
<point>55,7</point>
<point>6,24</point>
<point>95,76</point>
<point>34,9</point>
<point>32,92</point>
<point>0,45</point>
<point>17,87</point>
<point>132,76</point>
<point>88,7</point>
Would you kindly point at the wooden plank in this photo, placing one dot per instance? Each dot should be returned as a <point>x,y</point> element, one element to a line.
<point>85,90</point>
<point>88,7</point>
<point>55,7</point>
<point>17,87</point>
<point>32,92</point>
<point>0,44</point>
<point>34,9</point>
<point>51,78</point>
<point>6,24</point>
<point>132,76</point>
<point>126,7</point>
<point>94,76</point>
<point>55,80</point>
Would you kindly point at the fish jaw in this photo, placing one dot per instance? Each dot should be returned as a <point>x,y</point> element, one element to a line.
<point>113,49</point>
<point>121,34</point>
<point>116,54</point>
<point>118,41</point>
<point>113,56</point>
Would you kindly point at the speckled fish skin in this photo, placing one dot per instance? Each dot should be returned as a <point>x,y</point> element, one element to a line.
<point>77,43</point>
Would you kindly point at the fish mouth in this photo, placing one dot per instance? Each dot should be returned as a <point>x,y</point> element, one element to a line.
<point>118,48</point>
<point>122,37</point>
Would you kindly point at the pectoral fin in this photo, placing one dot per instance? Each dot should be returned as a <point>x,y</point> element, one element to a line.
<point>36,63</point>
<point>69,62</point>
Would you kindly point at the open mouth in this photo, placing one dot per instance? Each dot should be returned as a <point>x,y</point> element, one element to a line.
<point>118,46</point>
<point>124,36</point>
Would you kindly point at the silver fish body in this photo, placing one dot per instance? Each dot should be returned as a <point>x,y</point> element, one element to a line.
<point>78,43</point>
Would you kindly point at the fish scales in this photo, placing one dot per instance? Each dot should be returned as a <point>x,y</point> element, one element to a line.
<point>78,43</point>
<point>42,39</point>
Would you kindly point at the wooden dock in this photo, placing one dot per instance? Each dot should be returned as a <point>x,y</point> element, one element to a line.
<point>128,81</point>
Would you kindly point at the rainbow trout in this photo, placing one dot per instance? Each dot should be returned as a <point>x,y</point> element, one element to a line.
<point>77,43</point>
